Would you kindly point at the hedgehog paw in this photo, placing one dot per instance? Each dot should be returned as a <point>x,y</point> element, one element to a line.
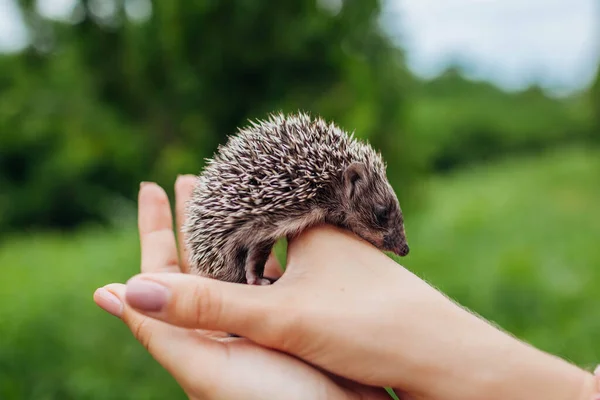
<point>258,281</point>
<point>264,282</point>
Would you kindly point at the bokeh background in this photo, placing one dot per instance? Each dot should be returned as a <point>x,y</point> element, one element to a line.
<point>488,113</point>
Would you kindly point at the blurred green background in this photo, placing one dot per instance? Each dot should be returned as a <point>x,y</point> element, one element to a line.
<point>501,188</point>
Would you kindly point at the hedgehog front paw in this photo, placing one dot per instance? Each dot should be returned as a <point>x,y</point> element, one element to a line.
<point>255,280</point>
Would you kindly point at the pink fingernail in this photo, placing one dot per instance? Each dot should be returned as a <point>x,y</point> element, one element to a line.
<point>146,295</point>
<point>109,302</point>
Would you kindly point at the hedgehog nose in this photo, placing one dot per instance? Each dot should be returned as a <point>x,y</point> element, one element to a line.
<point>397,245</point>
<point>401,248</point>
<point>404,250</point>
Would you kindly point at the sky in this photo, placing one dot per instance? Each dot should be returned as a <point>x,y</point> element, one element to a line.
<point>513,43</point>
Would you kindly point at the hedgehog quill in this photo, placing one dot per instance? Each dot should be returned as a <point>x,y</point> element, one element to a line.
<point>274,179</point>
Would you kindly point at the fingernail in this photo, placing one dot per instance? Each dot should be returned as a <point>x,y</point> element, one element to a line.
<point>142,184</point>
<point>109,302</point>
<point>146,295</point>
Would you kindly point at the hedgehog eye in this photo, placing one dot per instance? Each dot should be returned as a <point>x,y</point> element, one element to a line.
<point>382,215</point>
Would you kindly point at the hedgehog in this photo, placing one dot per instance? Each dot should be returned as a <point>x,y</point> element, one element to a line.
<point>277,177</point>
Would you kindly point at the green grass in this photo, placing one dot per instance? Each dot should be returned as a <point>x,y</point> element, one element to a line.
<point>55,342</point>
<point>516,242</point>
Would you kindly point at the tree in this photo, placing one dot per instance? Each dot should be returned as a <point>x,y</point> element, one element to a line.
<point>111,97</point>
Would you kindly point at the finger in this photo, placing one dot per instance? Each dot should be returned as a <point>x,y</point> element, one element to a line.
<point>192,301</point>
<point>169,345</point>
<point>184,186</point>
<point>157,240</point>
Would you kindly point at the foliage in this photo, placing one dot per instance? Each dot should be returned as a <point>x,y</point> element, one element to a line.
<point>105,100</point>
<point>515,242</point>
<point>112,96</point>
<point>595,100</point>
<point>56,343</point>
<point>462,122</point>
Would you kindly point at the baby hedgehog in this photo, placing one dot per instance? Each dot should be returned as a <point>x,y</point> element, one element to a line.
<point>278,177</point>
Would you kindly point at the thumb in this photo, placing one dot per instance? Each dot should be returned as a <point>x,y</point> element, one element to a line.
<point>196,302</point>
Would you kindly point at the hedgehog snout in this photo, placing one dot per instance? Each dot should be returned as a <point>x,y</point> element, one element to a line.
<point>396,243</point>
<point>404,250</point>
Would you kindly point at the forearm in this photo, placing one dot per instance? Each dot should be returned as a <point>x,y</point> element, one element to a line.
<point>517,371</point>
<point>496,366</point>
<point>528,373</point>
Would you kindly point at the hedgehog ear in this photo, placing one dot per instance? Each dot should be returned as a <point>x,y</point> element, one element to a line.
<point>355,178</point>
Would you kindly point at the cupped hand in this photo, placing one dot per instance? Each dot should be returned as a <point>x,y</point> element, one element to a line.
<point>341,305</point>
<point>206,363</point>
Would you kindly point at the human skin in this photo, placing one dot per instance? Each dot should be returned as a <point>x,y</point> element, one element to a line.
<point>208,364</point>
<point>348,309</point>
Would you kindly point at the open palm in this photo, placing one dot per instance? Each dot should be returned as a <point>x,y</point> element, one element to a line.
<point>211,365</point>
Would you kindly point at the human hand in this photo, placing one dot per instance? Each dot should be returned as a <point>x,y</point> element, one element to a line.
<point>346,307</point>
<point>207,364</point>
